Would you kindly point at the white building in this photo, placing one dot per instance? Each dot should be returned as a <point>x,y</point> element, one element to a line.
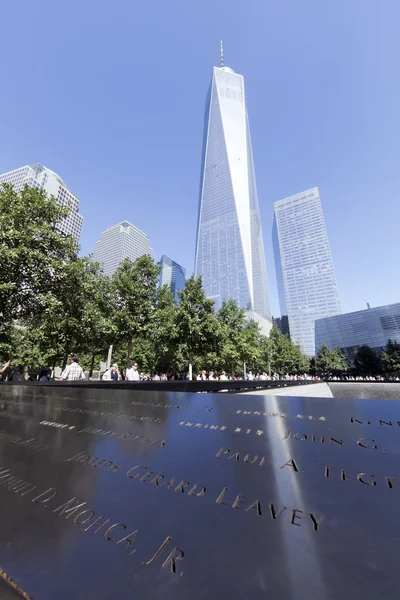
<point>230,249</point>
<point>119,242</point>
<point>306,278</point>
<point>44,178</point>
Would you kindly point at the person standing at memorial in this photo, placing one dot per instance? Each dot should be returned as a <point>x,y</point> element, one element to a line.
<point>112,374</point>
<point>3,370</point>
<point>132,374</point>
<point>223,376</point>
<point>73,372</point>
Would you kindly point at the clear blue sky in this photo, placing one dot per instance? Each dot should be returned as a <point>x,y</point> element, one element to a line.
<point>110,95</point>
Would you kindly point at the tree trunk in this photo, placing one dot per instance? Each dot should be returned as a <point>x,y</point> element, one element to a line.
<point>244,370</point>
<point>66,354</point>
<point>128,354</point>
<point>190,367</point>
<point>92,365</point>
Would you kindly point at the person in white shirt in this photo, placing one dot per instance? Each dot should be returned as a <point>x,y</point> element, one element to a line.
<point>211,376</point>
<point>112,374</point>
<point>156,377</point>
<point>132,374</point>
<point>223,376</point>
<point>73,372</point>
<point>250,376</point>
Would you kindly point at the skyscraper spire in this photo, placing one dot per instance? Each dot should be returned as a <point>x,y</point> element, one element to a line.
<point>222,55</point>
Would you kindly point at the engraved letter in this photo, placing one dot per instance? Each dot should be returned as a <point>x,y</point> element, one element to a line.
<point>256,505</point>
<point>201,492</point>
<point>173,559</point>
<point>222,451</point>
<point>315,521</point>
<point>388,480</point>
<point>337,441</point>
<point>274,514</point>
<point>327,469</point>
<point>137,474</point>
<point>66,508</point>
<point>373,447</point>
<point>86,520</point>
<point>181,486</point>
<point>360,478</point>
<point>345,475</point>
<point>321,439</point>
<point>222,494</point>
<point>300,436</point>
<point>238,500</point>
<point>250,462</point>
<point>129,539</point>
<point>158,552</point>
<point>286,436</point>
<point>46,499</point>
<point>111,539</point>
<point>295,516</point>
<point>290,463</point>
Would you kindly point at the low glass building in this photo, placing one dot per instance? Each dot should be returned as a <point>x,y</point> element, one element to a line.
<point>372,326</point>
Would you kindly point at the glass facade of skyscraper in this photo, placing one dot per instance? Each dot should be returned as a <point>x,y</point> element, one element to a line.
<point>230,250</point>
<point>172,275</point>
<point>306,280</point>
<point>38,176</point>
<point>119,242</point>
<point>372,326</point>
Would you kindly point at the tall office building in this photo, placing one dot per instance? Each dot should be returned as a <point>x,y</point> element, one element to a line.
<point>38,176</point>
<point>306,280</point>
<point>281,323</point>
<point>172,275</point>
<point>119,242</point>
<point>229,249</point>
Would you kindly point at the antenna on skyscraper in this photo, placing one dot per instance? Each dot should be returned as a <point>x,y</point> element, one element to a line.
<point>222,55</point>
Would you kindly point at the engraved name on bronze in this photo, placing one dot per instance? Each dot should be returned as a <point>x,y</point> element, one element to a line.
<point>96,462</point>
<point>82,515</point>
<point>127,435</point>
<point>250,459</point>
<point>365,478</point>
<point>295,516</point>
<point>258,413</point>
<point>30,443</point>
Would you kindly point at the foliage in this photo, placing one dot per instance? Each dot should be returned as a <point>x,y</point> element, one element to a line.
<point>330,361</point>
<point>197,328</point>
<point>135,288</point>
<point>33,252</point>
<point>366,361</point>
<point>391,358</point>
<point>284,355</point>
<point>53,303</point>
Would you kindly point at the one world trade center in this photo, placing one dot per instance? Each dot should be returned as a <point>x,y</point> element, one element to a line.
<point>229,248</point>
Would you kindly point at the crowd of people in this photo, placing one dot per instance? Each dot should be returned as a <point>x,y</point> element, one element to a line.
<point>74,372</point>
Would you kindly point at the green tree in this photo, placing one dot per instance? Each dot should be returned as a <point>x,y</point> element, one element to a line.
<point>367,361</point>
<point>340,361</point>
<point>33,251</point>
<point>196,324</point>
<point>232,321</point>
<point>285,356</point>
<point>164,333</point>
<point>325,360</point>
<point>135,285</point>
<point>391,358</point>
<point>79,319</point>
